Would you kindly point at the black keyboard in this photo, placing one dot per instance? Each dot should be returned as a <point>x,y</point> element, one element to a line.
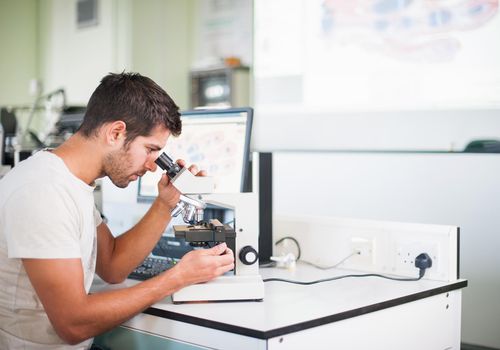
<point>152,266</point>
<point>171,247</point>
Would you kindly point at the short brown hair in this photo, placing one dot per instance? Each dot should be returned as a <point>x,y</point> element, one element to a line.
<point>136,100</point>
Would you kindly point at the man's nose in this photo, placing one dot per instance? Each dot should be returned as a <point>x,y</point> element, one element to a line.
<point>150,164</point>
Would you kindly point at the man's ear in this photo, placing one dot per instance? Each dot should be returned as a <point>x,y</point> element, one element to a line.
<point>116,132</point>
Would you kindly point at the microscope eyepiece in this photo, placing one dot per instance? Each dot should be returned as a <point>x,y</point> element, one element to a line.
<point>192,208</point>
<point>167,164</point>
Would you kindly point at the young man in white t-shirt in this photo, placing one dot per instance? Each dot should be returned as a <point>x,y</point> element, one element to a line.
<point>52,239</point>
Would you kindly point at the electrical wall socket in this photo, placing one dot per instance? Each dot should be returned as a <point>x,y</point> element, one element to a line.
<point>408,250</point>
<point>385,247</point>
<point>365,248</point>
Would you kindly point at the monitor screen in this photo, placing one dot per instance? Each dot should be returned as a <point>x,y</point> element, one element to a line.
<point>215,140</point>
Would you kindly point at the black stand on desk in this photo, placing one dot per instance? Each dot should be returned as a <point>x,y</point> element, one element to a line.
<point>265,205</point>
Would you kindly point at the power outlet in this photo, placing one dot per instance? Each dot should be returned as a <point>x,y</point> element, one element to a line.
<point>408,251</point>
<point>365,248</point>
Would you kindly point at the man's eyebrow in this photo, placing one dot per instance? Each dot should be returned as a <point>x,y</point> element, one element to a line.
<point>154,147</point>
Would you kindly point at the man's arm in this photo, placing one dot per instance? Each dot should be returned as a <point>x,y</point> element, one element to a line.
<point>117,257</point>
<point>77,316</point>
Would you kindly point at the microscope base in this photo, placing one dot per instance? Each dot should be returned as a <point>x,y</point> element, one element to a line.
<point>223,288</point>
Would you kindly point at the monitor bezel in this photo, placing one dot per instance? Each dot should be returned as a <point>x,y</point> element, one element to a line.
<point>199,113</point>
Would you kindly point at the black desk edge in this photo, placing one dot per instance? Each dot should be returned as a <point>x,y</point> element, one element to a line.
<point>307,324</point>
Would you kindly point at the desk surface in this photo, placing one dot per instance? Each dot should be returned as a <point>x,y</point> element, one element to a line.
<point>290,307</point>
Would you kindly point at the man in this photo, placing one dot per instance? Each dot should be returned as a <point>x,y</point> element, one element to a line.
<point>52,239</point>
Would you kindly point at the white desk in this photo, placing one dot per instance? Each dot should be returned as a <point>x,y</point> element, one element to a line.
<point>352,313</point>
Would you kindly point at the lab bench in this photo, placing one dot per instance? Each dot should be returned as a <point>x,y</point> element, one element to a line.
<point>350,313</point>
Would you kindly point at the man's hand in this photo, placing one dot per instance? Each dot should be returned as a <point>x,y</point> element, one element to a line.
<point>205,264</point>
<point>193,168</point>
<point>167,192</point>
<point>168,195</point>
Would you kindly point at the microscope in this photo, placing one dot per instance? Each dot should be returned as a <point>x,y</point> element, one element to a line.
<point>244,281</point>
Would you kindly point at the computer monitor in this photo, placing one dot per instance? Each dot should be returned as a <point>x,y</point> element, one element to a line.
<point>216,140</point>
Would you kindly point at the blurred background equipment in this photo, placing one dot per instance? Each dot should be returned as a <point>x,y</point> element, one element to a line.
<point>226,86</point>
<point>48,122</point>
<point>9,137</point>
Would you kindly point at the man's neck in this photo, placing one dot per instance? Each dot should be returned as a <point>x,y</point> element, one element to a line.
<point>82,156</point>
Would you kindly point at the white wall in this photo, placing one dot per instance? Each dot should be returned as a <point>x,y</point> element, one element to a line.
<point>151,37</point>
<point>450,189</point>
<point>161,44</point>
<point>18,50</point>
<point>76,58</point>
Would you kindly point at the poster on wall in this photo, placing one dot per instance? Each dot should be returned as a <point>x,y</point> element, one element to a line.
<point>377,55</point>
<point>224,30</point>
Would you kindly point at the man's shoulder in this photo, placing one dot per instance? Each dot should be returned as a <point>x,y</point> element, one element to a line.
<point>41,169</point>
<point>37,165</point>
<point>35,190</point>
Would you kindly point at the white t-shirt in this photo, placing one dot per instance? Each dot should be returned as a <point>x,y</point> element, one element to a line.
<point>46,212</point>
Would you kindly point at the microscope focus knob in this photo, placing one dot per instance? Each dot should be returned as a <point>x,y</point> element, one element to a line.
<point>248,255</point>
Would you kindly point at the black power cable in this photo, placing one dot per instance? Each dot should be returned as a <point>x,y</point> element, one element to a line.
<point>422,262</point>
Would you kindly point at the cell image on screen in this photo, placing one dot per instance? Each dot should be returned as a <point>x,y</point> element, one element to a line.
<point>216,141</point>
